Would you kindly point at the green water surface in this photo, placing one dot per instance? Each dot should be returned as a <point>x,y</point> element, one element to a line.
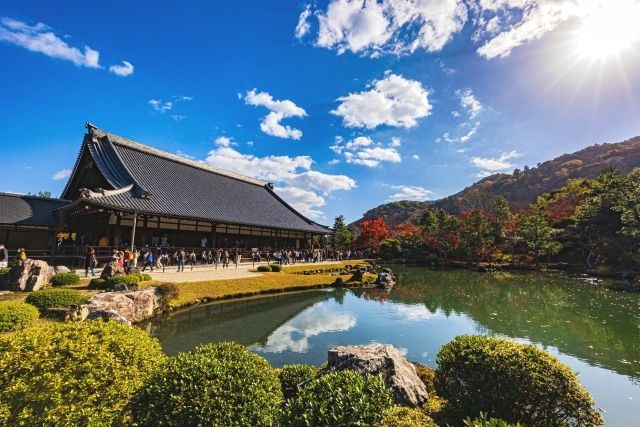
<point>594,330</point>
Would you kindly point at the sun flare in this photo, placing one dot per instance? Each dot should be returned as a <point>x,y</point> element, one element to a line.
<point>609,28</point>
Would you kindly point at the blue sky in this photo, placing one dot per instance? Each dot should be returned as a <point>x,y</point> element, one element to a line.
<point>344,105</point>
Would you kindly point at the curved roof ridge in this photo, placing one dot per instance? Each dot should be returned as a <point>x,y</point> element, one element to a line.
<point>119,140</point>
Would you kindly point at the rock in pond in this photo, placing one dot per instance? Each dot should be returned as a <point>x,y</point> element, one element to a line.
<point>383,359</point>
<point>32,275</point>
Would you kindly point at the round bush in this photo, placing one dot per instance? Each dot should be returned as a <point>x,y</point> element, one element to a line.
<point>339,398</point>
<point>512,381</point>
<point>74,373</point>
<point>128,279</point>
<point>276,268</point>
<point>49,298</point>
<point>264,268</point>
<point>217,384</point>
<point>400,416</point>
<point>64,279</point>
<point>485,421</point>
<point>144,277</point>
<point>98,284</point>
<point>293,375</point>
<point>167,292</point>
<point>427,376</point>
<point>16,315</point>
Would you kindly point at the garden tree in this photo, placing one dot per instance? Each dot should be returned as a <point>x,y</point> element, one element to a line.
<point>441,232</point>
<point>372,233</point>
<point>537,233</point>
<point>477,235</point>
<point>409,239</point>
<point>342,236</point>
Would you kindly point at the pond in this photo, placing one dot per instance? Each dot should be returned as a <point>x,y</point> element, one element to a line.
<point>594,330</point>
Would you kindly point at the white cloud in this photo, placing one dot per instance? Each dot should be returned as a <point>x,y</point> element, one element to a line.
<point>124,70</point>
<point>362,151</point>
<point>415,157</point>
<point>373,28</point>
<point>40,38</point>
<point>185,155</point>
<point>279,110</point>
<point>410,193</point>
<point>185,98</point>
<point>303,26</point>
<point>62,174</point>
<point>395,142</point>
<point>467,136</point>
<point>494,164</point>
<point>159,106</point>
<point>334,161</point>
<point>178,117</point>
<point>537,18</point>
<point>455,114</point>
<point>392,101</point>
<point>469,102</point>
<point>300,186</point>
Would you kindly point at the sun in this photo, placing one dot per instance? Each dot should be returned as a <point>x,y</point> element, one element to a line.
<point>608,28</point>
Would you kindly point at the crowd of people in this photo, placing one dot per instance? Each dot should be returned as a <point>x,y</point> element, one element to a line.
<point>160,258</point>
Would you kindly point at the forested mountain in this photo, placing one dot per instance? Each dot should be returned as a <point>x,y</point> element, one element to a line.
<point>521,187</point>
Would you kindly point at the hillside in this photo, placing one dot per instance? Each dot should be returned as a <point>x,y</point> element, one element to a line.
<point>523,186</point>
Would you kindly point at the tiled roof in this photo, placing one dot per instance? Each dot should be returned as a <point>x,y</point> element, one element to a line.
<point>16,209</point>
<point>163,183</point>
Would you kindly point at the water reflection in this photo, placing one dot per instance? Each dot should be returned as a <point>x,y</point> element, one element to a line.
<point>294,334</point>
<point>594,330</point>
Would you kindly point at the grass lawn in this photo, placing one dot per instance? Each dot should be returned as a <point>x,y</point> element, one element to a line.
<point>302,267</point>
<point>192,292</point>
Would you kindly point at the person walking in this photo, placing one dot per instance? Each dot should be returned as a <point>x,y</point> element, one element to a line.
<point>90,262</point>
<point>148,261</point>
<point>182,255</point>
<point>237,257</point>
<point>225,259</point>
<point>192,259</point>
<point>218,257</point>
<point>4,257</point>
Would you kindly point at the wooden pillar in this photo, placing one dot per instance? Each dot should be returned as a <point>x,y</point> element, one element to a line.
<point>133,230</point>
<point>213,235</point>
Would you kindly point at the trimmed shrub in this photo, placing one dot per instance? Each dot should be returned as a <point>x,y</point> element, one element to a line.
<point>167,292</point>
<point>221,384</point>
<point>400,416</point>
<point>16,315</point>
<point>98,284</point>
<point>145,277</point>
<point>264,268</point>
<point>74,373</point>
<point>292,375</point>
<point>340,398</point>
<point>276,268</point>
<point>512,381</point>
<point>64,279</point>
<point>427,376</point>
<point>485,421</point>
<point>128,279</point>
<point>49,298</point>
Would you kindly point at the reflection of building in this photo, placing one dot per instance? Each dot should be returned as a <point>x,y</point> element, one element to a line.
<point>121,191</point>
<point>247,321</point>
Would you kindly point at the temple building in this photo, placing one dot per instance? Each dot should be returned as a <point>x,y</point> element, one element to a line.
<point>122,193</point>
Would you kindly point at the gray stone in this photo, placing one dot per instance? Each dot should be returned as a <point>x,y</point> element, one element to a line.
<point>110,271</point>
<point>32,275</point>
<point>135,306</point>
<point>72,313</point>
<point>383,359</point>
<point>62,269</point>
<point>107,315</point>
<point>123,287</point>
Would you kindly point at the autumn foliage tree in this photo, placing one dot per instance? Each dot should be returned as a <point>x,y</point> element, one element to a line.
<point>372,233</point>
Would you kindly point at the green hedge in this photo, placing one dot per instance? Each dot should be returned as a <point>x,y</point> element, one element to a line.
<point>64,279</point>
<point>220,384</point>
<point>68,374</point>
<point>49,298</point>
<point>340,398</point>
<point>511,381</point>
<point>293,375</point>
<point>276,268</point>
<point>485,421</point>
<point>144,277</point>
<point>400,416</point>
<point>17,315</point>
<point>264,268</point>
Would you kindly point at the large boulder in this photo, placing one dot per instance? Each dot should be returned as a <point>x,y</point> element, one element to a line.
<point>110,271</point>
<point>135,306</point>
<point>32,275</point>
<point>383,359</point>
<point>62,269</point>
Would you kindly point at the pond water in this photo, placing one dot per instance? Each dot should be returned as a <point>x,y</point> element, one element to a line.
<point>593,330</point>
